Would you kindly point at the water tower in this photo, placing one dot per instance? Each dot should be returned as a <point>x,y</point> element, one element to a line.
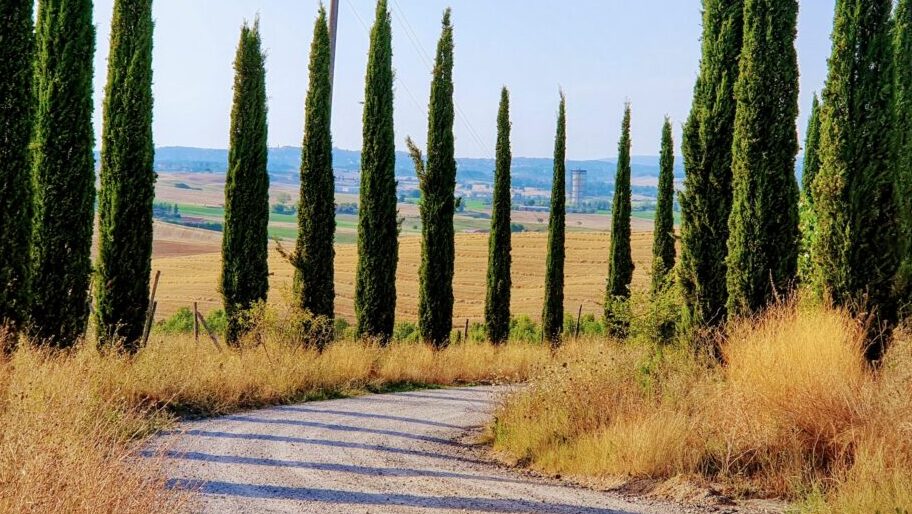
<point>577,187</point>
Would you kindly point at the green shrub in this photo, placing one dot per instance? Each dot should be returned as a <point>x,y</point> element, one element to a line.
<point>405,332</point>
<point>522,328</point>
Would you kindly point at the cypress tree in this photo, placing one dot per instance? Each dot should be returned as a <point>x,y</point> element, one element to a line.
<point>245,242</point>
<point>811,151</point>
<point>663,245</point>
<point>620,259</point>
<point>63,171</point>
<point>314,253</point>
<point>706,200</point>
<point>497,298</point>
<point>855,252</point>
<point>807,218</point>
<point>127,179</point>
<point>438,186</point>
<point>902,84</point>
<point>763,228</point>
<point>553,311</point>
<point>378,227</point>
<point>15,175</point>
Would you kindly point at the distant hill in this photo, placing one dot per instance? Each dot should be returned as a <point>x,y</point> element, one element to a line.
<point>285,161</point>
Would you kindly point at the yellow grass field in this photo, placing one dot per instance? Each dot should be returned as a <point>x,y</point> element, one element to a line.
<point>194,278</point>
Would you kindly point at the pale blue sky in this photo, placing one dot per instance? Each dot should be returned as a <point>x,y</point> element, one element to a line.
<point>601,52</point>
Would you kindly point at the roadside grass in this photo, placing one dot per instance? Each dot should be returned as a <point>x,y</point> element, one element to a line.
<point>795,413</point>
<point>72,423</point>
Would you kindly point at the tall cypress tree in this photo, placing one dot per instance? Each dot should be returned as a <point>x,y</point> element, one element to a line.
<point>553,311</point>
<point>807,217</point>
<point>763,228</point>
<point>438,186</point>
<point>811,151</point>
<point>663,245</point>
<point>127,179</point>
<point>245,243</point>
<point>314,253</point>
<point>855,251</point>
<point>378,227</point>
<point>15,175</point>
<point>706,200</point>
<point>497,297</point>
<point>902,111</point>
<point>64,171</point>
<point>620,259</point>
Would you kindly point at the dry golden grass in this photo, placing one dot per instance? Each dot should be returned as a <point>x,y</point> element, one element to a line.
<point>796,413</point>
<point>71,423</point>
<point>194,278</point>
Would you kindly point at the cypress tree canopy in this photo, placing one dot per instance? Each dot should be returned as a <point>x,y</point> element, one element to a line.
<point>378,227</point>
<point>245,268</point>
<point>620,263</point>
<point>127,179</point>
<point>16,52</point>
<point>438,186</point>
<point>497,298</point>
<point>63,171</point>
<point>763,241</point>
<point>314,252</point>
<point>811,151</point>
<point>855,251</point>
<point>902,27</point>
<point>707,147</point>
<point>553,312</point>
<point>663,246</point>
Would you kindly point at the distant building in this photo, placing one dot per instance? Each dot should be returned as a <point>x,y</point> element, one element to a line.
<point>577,187</point>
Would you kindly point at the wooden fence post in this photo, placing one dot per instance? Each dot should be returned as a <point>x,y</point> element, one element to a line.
<point>202,321</point>
<point>148,328</point>
<point>196,326</point>
<point>579,318</point>
<point>466,338</point>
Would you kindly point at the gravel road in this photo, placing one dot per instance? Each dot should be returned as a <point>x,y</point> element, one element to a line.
<point>395,453</point>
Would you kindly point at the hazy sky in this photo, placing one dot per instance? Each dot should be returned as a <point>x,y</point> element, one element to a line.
<point>601,52</point>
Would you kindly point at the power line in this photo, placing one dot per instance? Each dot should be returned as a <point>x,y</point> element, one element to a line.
<point>419,48</point>
<point>398,80</point>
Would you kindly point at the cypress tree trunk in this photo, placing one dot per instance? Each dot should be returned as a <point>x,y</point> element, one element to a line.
<point>245,270</point>
<point>16,70</point>
<point>811,151</point>
<point>314,253</point>
<point>438,186</point>
<point>127,179</point>
<point>707,197</point>
<point>378,228</point>
<point>855,251</point>
<point>763,241</point>
<point>620,259</point>
<point>663,245</point>
<point>902,27</point>
<point>497,298</point>
<point>553,312</point>
<point>64,171</point>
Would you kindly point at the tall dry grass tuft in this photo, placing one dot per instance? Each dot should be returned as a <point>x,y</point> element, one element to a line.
<point>795,412</point>
<point>71,424</point>
<point>65,448</point>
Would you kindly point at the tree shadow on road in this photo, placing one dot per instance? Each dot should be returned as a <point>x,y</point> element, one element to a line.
<point>334,467</point>
<point>457,503</point>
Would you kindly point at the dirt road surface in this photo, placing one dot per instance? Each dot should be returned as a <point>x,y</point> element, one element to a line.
<point>397,453</point>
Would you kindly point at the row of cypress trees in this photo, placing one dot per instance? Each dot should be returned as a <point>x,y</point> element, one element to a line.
<point>740,208</point>
<point>47,180</point>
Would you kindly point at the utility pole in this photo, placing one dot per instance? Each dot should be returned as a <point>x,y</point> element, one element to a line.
<point>333,30</point>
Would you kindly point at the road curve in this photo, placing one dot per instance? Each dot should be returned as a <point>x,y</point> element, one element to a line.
<point>394,453</point>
